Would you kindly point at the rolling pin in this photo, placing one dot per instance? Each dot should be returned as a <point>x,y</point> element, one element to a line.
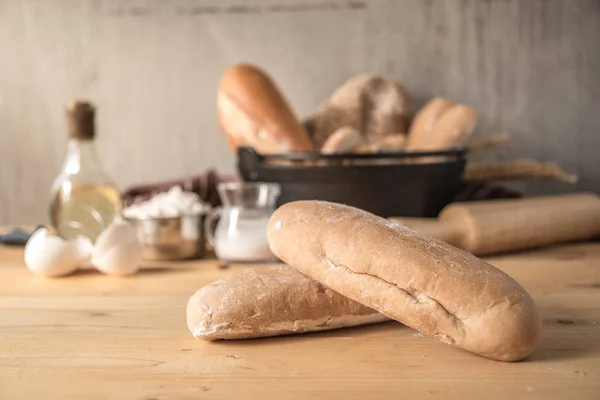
<point>496,226</point>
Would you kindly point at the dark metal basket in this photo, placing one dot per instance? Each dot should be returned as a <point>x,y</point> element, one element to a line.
<point>412,184</point>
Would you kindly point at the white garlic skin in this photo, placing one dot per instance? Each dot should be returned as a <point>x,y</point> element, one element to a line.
<point>52,256</point>
<point>117,250</point>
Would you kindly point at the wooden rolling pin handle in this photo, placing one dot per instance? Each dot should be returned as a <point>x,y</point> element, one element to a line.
<point>497,226</point>
<point>433,227</point>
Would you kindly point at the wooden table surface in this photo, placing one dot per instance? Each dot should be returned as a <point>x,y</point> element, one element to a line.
<point>92,336</point>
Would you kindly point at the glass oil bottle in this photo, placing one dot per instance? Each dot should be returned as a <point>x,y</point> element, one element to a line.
<point>83,198</point>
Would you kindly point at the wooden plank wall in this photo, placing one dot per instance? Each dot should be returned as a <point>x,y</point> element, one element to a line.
<point>532,68</point>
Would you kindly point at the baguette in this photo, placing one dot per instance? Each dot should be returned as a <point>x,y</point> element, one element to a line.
<point>252,112</point>
<point>271,301</point>
<point>421,282</point>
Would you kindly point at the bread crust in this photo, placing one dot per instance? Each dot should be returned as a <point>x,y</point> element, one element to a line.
<point>453,128</point>
<point>271,301</point>
<point>253,112</point>
<point>422,282</point>
<point>441,124</point>
<point>343,140</point>
<point>425,119</point>
<point>373,105</point>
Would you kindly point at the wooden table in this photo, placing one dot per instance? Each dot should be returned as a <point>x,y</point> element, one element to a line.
<point>92,336</point>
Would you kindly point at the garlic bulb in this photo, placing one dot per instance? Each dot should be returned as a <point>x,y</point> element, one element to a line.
<point>117,250</point>
<point>53,256</point>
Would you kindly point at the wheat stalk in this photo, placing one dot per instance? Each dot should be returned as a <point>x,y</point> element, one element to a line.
<point>524,169</point>
<point>489,142</point>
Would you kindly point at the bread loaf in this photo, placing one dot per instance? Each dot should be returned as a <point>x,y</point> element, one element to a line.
<point>422,126</point>
<point>373,105</point>
<point>424,283</point>
<point>252,112</point>
<point>453,128</point>
<point>271,301</point>
<point>441,125</point>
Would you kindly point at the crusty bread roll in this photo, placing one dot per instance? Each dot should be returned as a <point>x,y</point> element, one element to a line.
<point>453,128</point>
<point>373,105</point>
<point>424,283</point>
<point>271,301</point>
<point>252,112</point>
<point>441,125</point>
<point>387,144</point>
<point>390,143</point>
<point>342,141</point>
<point>424,121</point>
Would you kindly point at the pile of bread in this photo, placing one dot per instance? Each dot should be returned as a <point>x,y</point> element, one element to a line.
<point>346,267</point>
<point>366,114</point>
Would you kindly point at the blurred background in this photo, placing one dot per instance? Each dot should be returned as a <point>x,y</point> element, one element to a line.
<point>530,68</point>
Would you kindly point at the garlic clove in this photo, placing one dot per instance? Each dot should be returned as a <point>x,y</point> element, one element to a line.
<point>52,256</point>
<point>119,260</point>
<point>120,231</point>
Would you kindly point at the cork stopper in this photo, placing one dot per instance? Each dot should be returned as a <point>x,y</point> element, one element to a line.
<point>80,120</point>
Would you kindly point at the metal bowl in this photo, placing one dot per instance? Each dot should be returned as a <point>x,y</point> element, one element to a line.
<point>171,238</point>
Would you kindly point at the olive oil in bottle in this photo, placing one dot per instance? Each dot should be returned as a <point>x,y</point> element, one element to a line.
<point>84,199</point>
